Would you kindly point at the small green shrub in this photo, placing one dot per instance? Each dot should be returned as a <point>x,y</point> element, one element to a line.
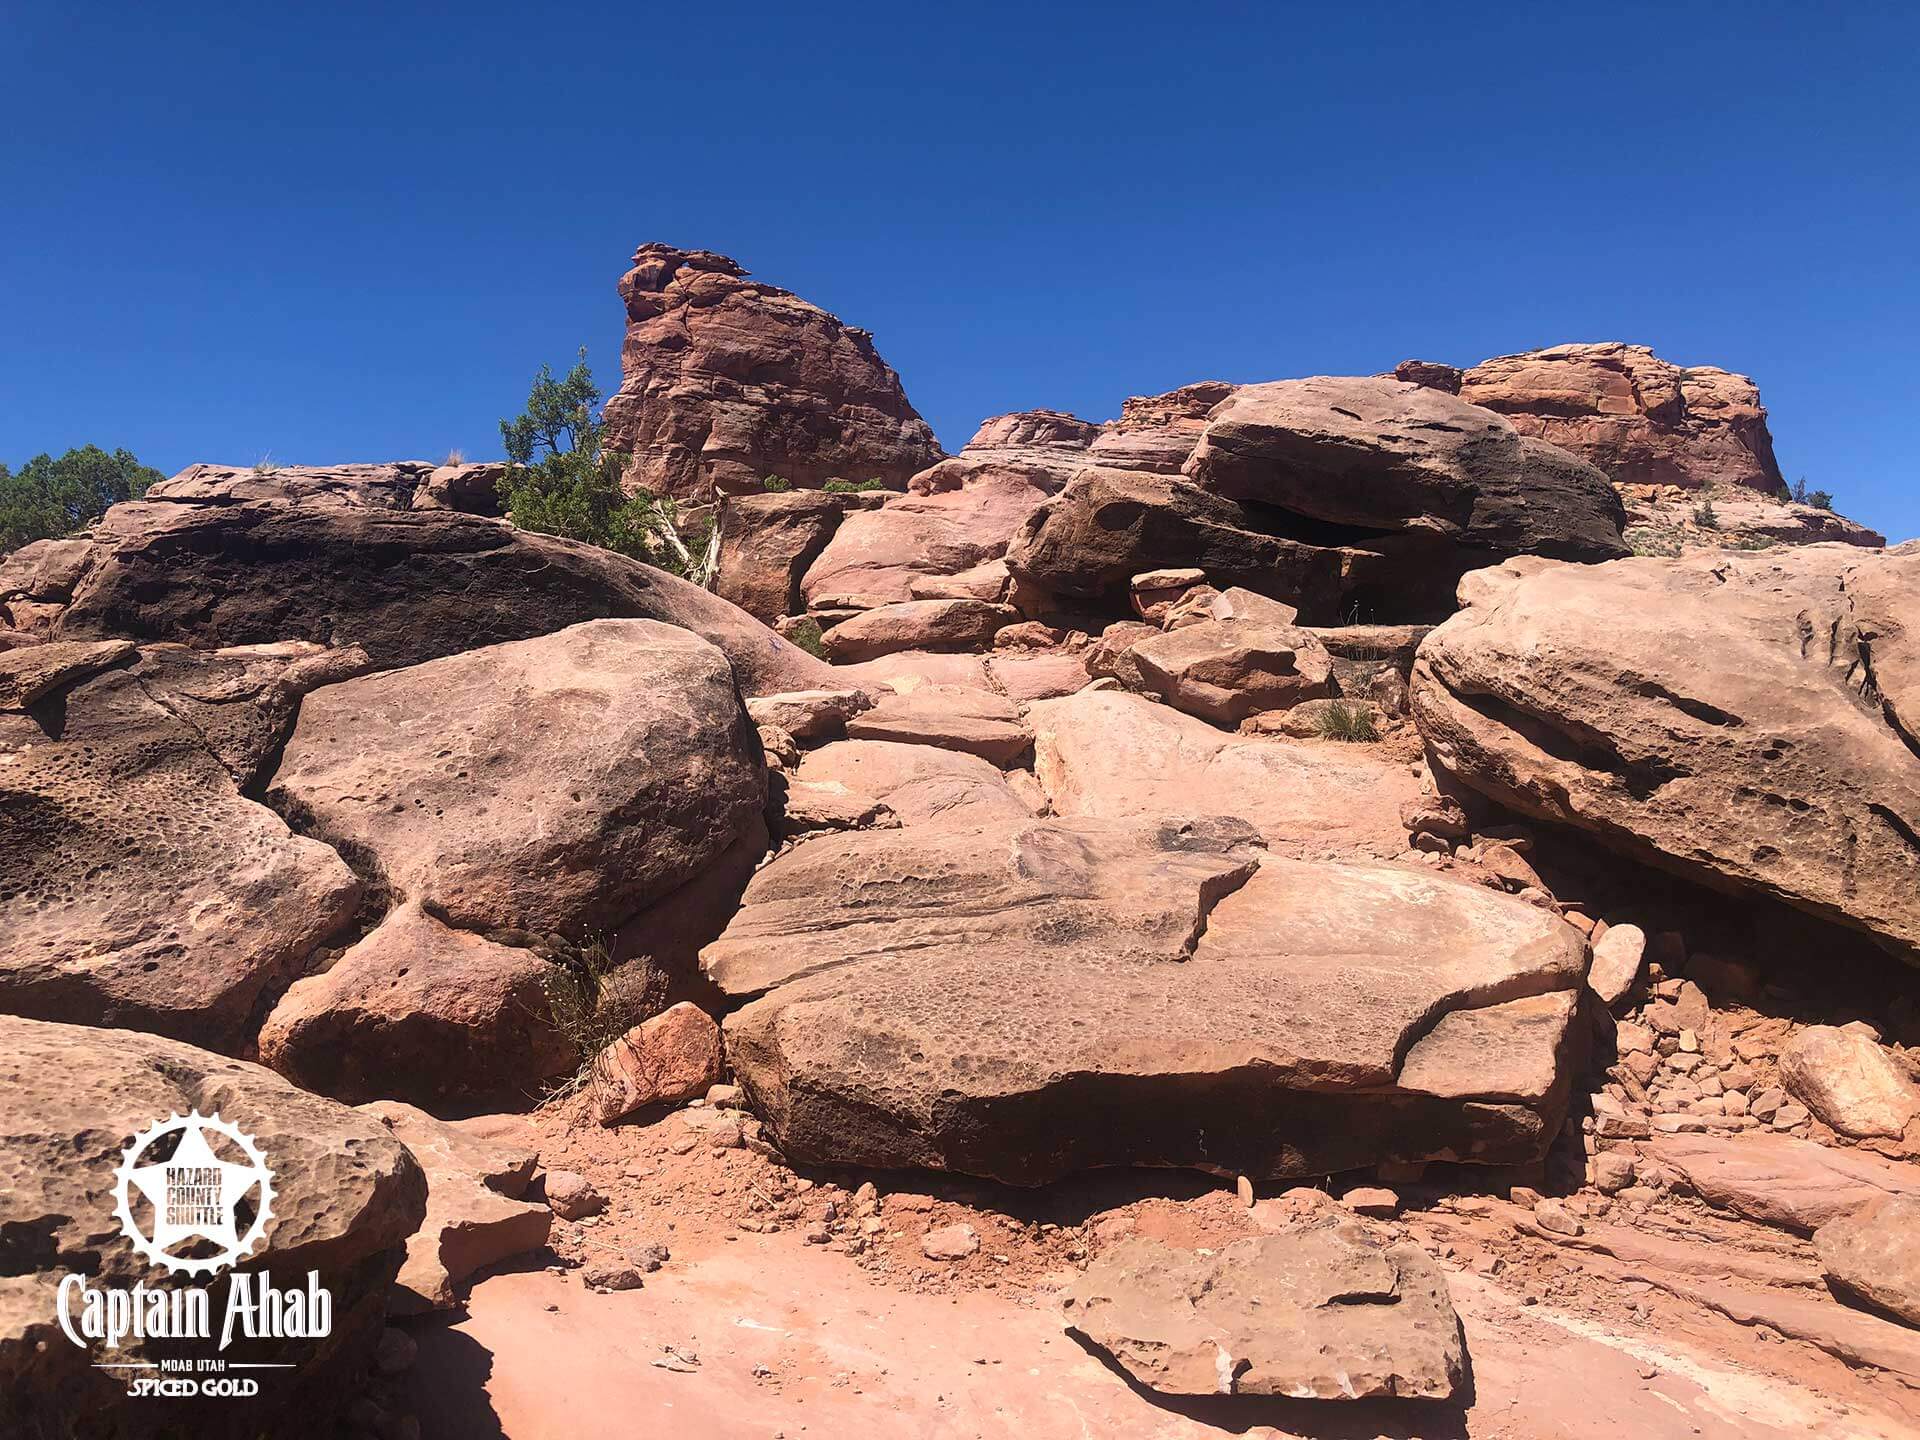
<point>1341,721</point>
<point>774,484</point>
<point>594,1002</point>
<point>1820,499</point>
<point>1705,516</point>
<point>853,487</point>
<point>806,634</point>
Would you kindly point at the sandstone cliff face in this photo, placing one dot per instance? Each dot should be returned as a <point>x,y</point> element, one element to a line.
<point>1639,418</point>
<point>728,381</point>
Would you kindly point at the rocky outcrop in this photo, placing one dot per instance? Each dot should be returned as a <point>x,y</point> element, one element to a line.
<point>346,1196</point>
<point>644,772</point>
<point>1664,519</point>
<point>1745,719</point>
<point>475,1216</point>
<point>726,381</point>
<point>1021,1001</point>
<point>1158,432</point>
<point>951,717</point>
<point>141,888</point>
<point>1325,1312</point>
<point>306,555</point>
<point>1380,461</point>
<point>917,625</point>
<point>768,541</point>
<point>1108,526</point>
<point>1227,670</point>
<point>472,489</point>
<point>956,519</point>
<point>1641,419</point>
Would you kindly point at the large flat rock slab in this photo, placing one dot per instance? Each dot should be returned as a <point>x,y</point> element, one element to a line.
<point>1018,1001</point>
<point>561,783</point>
<point>920,784</point>
<point>1324,1312</point>
<point>1106,754</point>
<point>1747,720</point>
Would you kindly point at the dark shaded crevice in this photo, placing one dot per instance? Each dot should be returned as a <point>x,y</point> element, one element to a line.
<point>1699,709</point>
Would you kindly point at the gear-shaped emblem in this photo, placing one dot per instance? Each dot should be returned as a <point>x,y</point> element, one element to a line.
<point>194,1193</point>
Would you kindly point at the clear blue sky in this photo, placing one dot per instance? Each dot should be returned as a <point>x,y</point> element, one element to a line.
<point>351,232</point>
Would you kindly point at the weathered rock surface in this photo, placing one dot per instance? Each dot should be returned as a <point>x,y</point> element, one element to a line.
<point>1779,1180</point>
<point>1617,958</point>
<point>1158,432</point>
<point>37,580</point>
<point>562,783</point>
<point>1724,716</point>
<point>1226,670</point>
<point>917,625</point>
<point>727,380</point>
<point>140,888</point>
<point>952,717</point>
<point>809,714</point>
<point>29,672</point>
<point>475,1216</point>
<point>1022,1000</point>
<point>242,700</point>
<point>1109,755</point>
<point>956,520</point>
<point>346,1197</point>
<point>420,1012</point>
<point>472,489</point>
<point>675,1055</point>
<point>1875,1253</point>
<point>1663,519</point>
<point>273,558</point>
<point>920,784</point>
<point>768,541</point>
<point>1109,525</point>
<point>1325,1312</point>
<point>1384,458</point>
<point>1636,416</point>
<point>1848,1081</point>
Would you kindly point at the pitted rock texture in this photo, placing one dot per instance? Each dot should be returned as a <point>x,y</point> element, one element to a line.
<point>242,700</point>
<point>1325,1312</point>
<point>1110,755</point>
<point>1380,459</point>
<point>1021,1001</point>
<point>421,1013</point>
<point>141,889</point>
<point>1752,720</point>
<point>347,1196</point>
<point>267,559</point>
<point>726,381</point>
<point>1641,419</point>
<point>558,784</point>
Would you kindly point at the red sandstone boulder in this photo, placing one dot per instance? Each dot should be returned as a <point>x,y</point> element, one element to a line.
<point>917,625</point>
<point>1158,432</point>
<point>767,542</point>
<point>728,380</point>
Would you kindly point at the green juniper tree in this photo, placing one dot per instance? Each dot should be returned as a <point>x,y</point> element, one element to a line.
<point>562,480</point>
<point>48,497</point>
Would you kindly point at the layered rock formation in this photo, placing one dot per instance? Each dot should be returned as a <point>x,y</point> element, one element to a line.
<point>727,380</point>
<point>1641,419</point>
<point>1748,719</point>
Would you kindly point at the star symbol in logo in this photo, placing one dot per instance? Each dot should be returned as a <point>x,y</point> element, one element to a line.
<point>194,1193</point>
